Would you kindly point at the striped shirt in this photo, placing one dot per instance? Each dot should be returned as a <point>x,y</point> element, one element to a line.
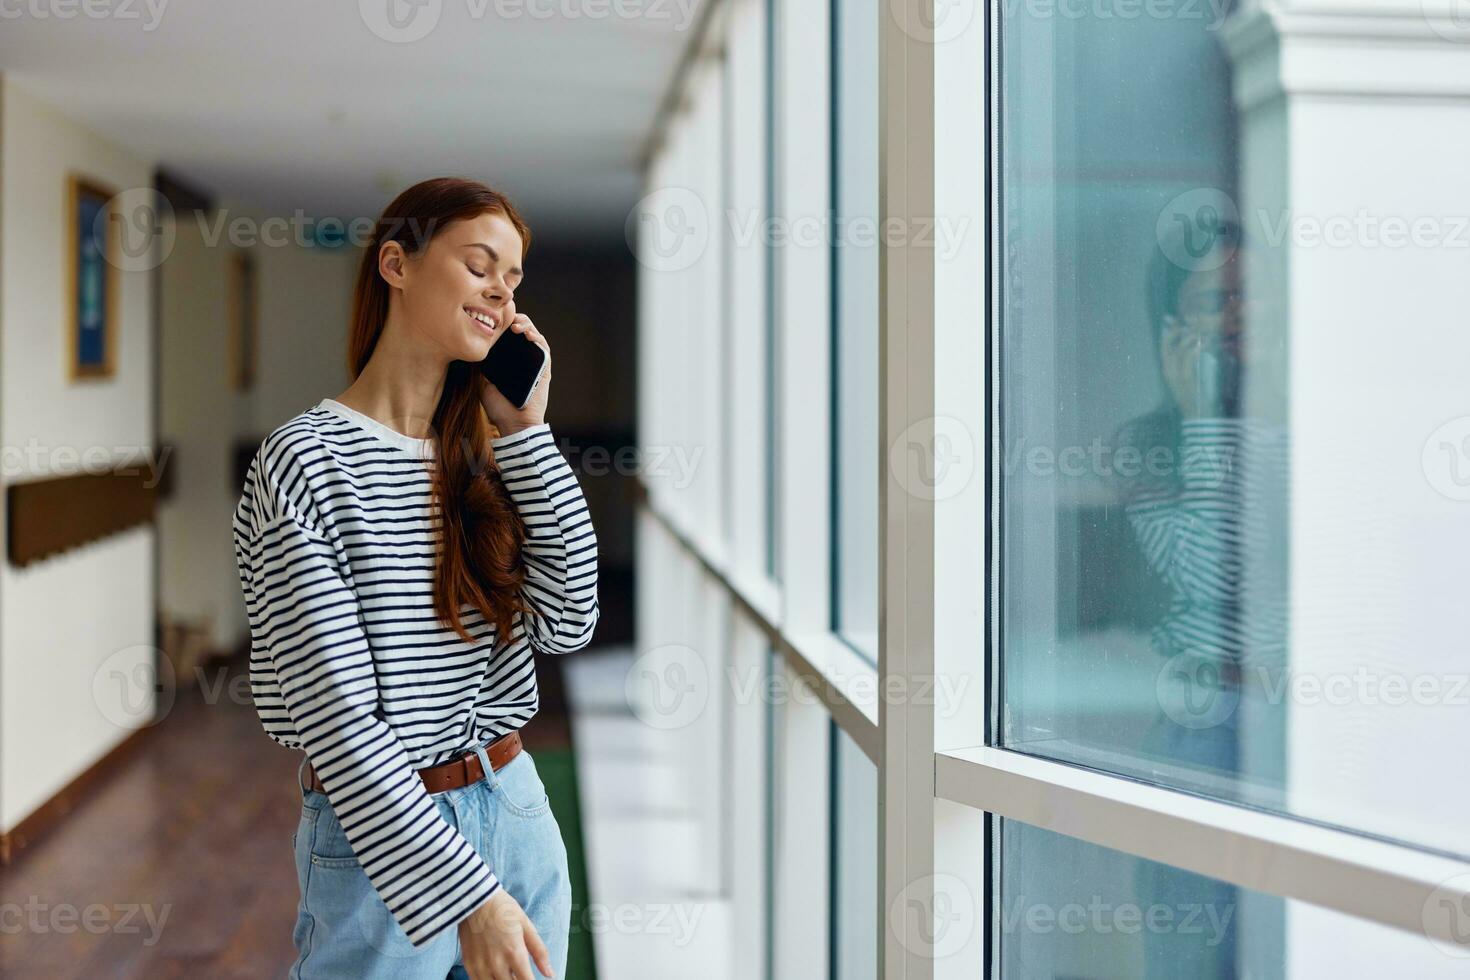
<point>335,544</point>
<point>1217,535</point>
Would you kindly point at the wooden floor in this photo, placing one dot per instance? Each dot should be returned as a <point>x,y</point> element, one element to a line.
<point>180,865</point>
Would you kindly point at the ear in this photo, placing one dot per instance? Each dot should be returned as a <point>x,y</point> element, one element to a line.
<point>392,263</point>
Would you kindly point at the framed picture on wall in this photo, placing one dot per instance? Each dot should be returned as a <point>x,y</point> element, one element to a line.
<point>92,285</point>
<point>240,310</point>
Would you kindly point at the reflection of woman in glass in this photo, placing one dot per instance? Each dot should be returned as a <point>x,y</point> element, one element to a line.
<point>1207,503</point>
<point>1207,508</point>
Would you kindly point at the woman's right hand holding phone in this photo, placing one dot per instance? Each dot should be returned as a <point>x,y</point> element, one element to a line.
<point>505,416</point>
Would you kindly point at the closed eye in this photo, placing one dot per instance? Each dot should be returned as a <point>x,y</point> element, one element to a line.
<point>476,272</point>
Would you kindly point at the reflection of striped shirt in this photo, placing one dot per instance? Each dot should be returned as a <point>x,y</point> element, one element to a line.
<point>335,546</point>
<point>1217,534</point>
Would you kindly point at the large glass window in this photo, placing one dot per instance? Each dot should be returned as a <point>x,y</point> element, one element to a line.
<point>773,567</point>
<point>1067,908</point>
<point>1143,432</point>
<point>773,667</point>
<point>855,919</point>
<point>1210,578</point>
<point>1143,429</point>
<point>855,458</point>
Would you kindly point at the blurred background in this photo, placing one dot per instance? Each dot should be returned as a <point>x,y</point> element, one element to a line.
<point>1029,446</point>
<point>237,144</point>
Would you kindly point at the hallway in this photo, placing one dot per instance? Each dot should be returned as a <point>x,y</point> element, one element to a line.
<point>196,878</point>
<point>960,542</point>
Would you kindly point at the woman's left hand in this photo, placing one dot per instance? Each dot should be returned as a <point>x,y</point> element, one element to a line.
<point>506,417</point>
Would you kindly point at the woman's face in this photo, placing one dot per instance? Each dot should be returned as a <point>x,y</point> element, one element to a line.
<point>1209,306</point>
<point>466,276</point>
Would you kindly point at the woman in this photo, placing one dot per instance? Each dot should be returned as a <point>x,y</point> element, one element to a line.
<point>400,562</point>
<point>1209,518</point>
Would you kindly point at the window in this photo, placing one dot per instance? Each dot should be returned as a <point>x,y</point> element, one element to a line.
<point>1194,592</point>
<point>1066,908</point>
<point>768,899</point>
<point>855,324</point>
<point>1180,482</point>
<point>769,295</point>
<point>1143,435</point>
<point>855,920</point>
<point>1217,563</point>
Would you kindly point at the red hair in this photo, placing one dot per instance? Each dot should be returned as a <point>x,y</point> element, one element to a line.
<point>481,533</point>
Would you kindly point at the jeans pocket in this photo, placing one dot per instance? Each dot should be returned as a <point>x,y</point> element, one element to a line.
<point>520,788</point>
<point>330,847</point>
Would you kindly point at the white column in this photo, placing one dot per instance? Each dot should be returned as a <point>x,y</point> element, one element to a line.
<point>1355,130</point>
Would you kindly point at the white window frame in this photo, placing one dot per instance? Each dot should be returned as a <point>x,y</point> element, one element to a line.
<point>941,782</point>
<point>1380,881</point>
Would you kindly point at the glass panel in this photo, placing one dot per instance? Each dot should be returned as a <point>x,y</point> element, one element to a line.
<point>1198,587</point>
<point>772,521</point>
<point>1069,909</point>
<point>1143,428</point>
<point>773,666</point>
<point>855,919</point>
<point>855,322</point>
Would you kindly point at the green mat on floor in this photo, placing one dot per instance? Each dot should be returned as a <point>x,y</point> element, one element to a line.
<point>558,769</point>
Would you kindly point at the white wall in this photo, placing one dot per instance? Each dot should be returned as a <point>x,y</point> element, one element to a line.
<point>304,297</point>
<point>63,618</point>
<point>1353,123</point>
<point>72,628</point>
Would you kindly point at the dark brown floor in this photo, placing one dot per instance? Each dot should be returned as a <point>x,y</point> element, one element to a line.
<point>195,831</point>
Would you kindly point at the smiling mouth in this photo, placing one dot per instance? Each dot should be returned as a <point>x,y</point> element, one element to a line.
<point>484,319</point>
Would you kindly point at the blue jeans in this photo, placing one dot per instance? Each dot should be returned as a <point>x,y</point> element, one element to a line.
<point>343,929</point>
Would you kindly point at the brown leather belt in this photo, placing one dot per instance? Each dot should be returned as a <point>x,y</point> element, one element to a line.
<point>462,770</point>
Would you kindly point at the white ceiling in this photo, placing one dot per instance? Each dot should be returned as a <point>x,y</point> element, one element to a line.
<point>288,105</point>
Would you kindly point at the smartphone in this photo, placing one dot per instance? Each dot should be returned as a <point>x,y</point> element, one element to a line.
<point>514,365</point>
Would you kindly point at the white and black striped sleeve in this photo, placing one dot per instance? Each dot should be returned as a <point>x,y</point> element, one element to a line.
<point>1201,538</point>
<point>561,547</point>
<point>305,618</point>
